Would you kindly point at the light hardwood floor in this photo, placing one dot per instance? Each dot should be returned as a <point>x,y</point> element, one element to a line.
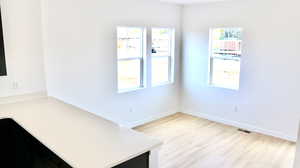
<point>191,142</point>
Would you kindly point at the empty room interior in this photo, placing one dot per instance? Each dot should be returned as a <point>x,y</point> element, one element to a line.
<point>149,84</point>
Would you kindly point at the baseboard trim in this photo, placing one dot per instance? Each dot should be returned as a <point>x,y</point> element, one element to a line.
<point>147,120</point>
<point>24,97</point>
<point>244,126</point>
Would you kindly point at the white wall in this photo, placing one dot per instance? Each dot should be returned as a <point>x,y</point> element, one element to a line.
<point>268,99</point>
<point>80,49</point>
<point>23,45</point>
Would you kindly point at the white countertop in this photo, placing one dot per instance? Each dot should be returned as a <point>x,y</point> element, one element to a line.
<point>80,138</point>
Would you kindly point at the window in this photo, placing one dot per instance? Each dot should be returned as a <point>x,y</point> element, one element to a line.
<point>131,58</point>
<point>225,55</point>
<point>162,56</point>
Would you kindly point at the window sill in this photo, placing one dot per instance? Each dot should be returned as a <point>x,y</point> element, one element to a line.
<point>130,90</point>
<point>162,84</point>
<point>223,87</point>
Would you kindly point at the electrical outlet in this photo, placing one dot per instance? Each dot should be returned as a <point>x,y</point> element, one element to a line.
<point>130,109</point>
<point>15,85</point>
<point>236,109</point>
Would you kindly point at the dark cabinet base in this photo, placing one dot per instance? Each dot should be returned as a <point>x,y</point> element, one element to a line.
<point>141,161</point>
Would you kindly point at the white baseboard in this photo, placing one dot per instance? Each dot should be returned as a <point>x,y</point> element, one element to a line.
<point>244,126</point>
<point>148,119</point>
<point>18,98</point>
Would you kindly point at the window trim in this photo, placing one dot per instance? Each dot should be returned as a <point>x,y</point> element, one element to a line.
<point>142,59</point>
<point>211,58</point>
<point>171,58</point>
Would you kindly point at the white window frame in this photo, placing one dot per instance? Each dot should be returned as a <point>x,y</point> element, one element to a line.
<point>211,58</point>
<point>142,60</point>
<point>171,58</point>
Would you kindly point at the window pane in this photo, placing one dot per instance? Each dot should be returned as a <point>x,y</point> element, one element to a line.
<point>226,73</point>
<point>226,50</point>
<point>226,42</point>
<point>160,70</point>
<point>130,42</point>
<point>129,74</point>
<point>161,42</point>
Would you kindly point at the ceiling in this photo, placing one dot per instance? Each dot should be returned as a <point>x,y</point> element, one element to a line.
<point>191,1</point>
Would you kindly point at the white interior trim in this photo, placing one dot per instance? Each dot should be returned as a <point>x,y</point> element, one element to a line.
<point>19,98</point>
<point>245,126</point>
<point>148,119</point>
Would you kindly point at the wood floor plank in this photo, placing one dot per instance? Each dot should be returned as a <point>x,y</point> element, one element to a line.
<point>191,142</point>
